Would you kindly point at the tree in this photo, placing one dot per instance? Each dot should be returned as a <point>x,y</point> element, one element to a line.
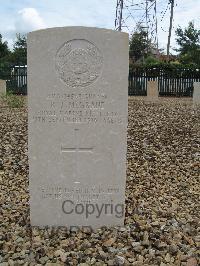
<point>19,55</point>
<point>4,51</point>
<point>189,44</point>
<point>4,55</point>
<point>138,45</point>
<point>10,58</point>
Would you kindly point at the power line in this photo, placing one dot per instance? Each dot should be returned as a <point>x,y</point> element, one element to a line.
<point>131,14</point>
<point>165,12</point>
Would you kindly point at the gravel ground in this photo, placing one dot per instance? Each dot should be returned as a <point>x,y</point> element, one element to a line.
<point>162,195</point>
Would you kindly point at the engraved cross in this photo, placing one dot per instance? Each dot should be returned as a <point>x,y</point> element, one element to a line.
<point>76,149</point>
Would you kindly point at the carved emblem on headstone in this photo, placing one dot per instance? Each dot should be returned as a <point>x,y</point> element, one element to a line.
<point>78,63</point>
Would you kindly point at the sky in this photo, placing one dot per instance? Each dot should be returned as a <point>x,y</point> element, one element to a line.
<point>22,16</point>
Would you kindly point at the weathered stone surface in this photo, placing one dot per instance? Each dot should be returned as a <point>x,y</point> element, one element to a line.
<point>196,93</point>
<point>152,91</point>
<point>2,86</point>
<point>77,80</point>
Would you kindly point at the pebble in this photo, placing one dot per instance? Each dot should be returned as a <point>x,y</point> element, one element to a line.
<point>111,262</point>
<point>43,260</point>
<point>119,260</point>
<point>167,258</point>
<point>173,249</point>
<point>135,244</point>
<point>192,262</point>
<point>161,225</point>
<point>145,241</point>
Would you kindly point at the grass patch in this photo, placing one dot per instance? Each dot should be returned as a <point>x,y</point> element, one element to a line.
<point>12,100</point>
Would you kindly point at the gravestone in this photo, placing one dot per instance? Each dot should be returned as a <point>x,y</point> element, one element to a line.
<point>2,86</point>
<point>78,109</point>
<point>152,91</point>
<point>196,93</point>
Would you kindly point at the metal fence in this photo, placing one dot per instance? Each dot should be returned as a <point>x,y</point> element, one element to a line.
<point>16,79</point>
<point>176,82</point>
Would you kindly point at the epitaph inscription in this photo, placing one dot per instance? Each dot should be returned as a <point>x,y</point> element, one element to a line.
<point>78,63</point>
<point>78,109</point>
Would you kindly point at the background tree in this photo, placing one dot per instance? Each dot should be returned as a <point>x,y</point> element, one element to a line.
<point>19,55</point>
<point>142,49</point>
<point>4,58</point>
<point>8,59</point>
<point>189,44</point>
<point>4,51</point>
<point>138,45</point>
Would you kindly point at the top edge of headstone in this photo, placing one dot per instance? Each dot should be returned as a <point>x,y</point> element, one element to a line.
<point>76,28</point>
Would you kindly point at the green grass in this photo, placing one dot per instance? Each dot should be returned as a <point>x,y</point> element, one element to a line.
<point>12,100</point>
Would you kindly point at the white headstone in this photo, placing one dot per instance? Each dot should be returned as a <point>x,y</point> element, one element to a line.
<point>152,91</point>
<point>78,109</point>
<point>2,86</point>
<point>196,93</point>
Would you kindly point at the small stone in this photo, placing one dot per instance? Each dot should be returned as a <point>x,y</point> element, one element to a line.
<point>11,262</point>
<point>161,245</point>
<point>109,242</point>
<point>183,257</point>
<point>173,249</point>
<point>122,229</point>
<point>145,241</point>
<point>16,256</point>
<point>43,260</point>
<point>119,260</point>
<point>52,264</point>
<point>192,262</point>
<point>140,258</point>
<point>167,258</point>
<point>92,261</point>
<point>112,250</point>
<point>21,262</point>
<point>131,259</point>
<point>156,223</point>
<point>19,239</point>
<point>138,248</point>
<point>1,164</point>
<point>61,254</point>
<point>135,244</point>
<point>103,254</point>
<point>111,262</point>
<point>137,263</point>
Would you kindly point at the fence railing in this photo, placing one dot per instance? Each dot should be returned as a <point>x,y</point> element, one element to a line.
<point>16,79</point>
<point>171,82</point>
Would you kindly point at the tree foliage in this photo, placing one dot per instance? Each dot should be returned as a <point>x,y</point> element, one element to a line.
<point>4,57</point>
<point>10,58</point>
<point>138,45</point>
<point>189,44</point>
<point>4,51</point>
<point>3,48</point>
<point>20,50</point>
